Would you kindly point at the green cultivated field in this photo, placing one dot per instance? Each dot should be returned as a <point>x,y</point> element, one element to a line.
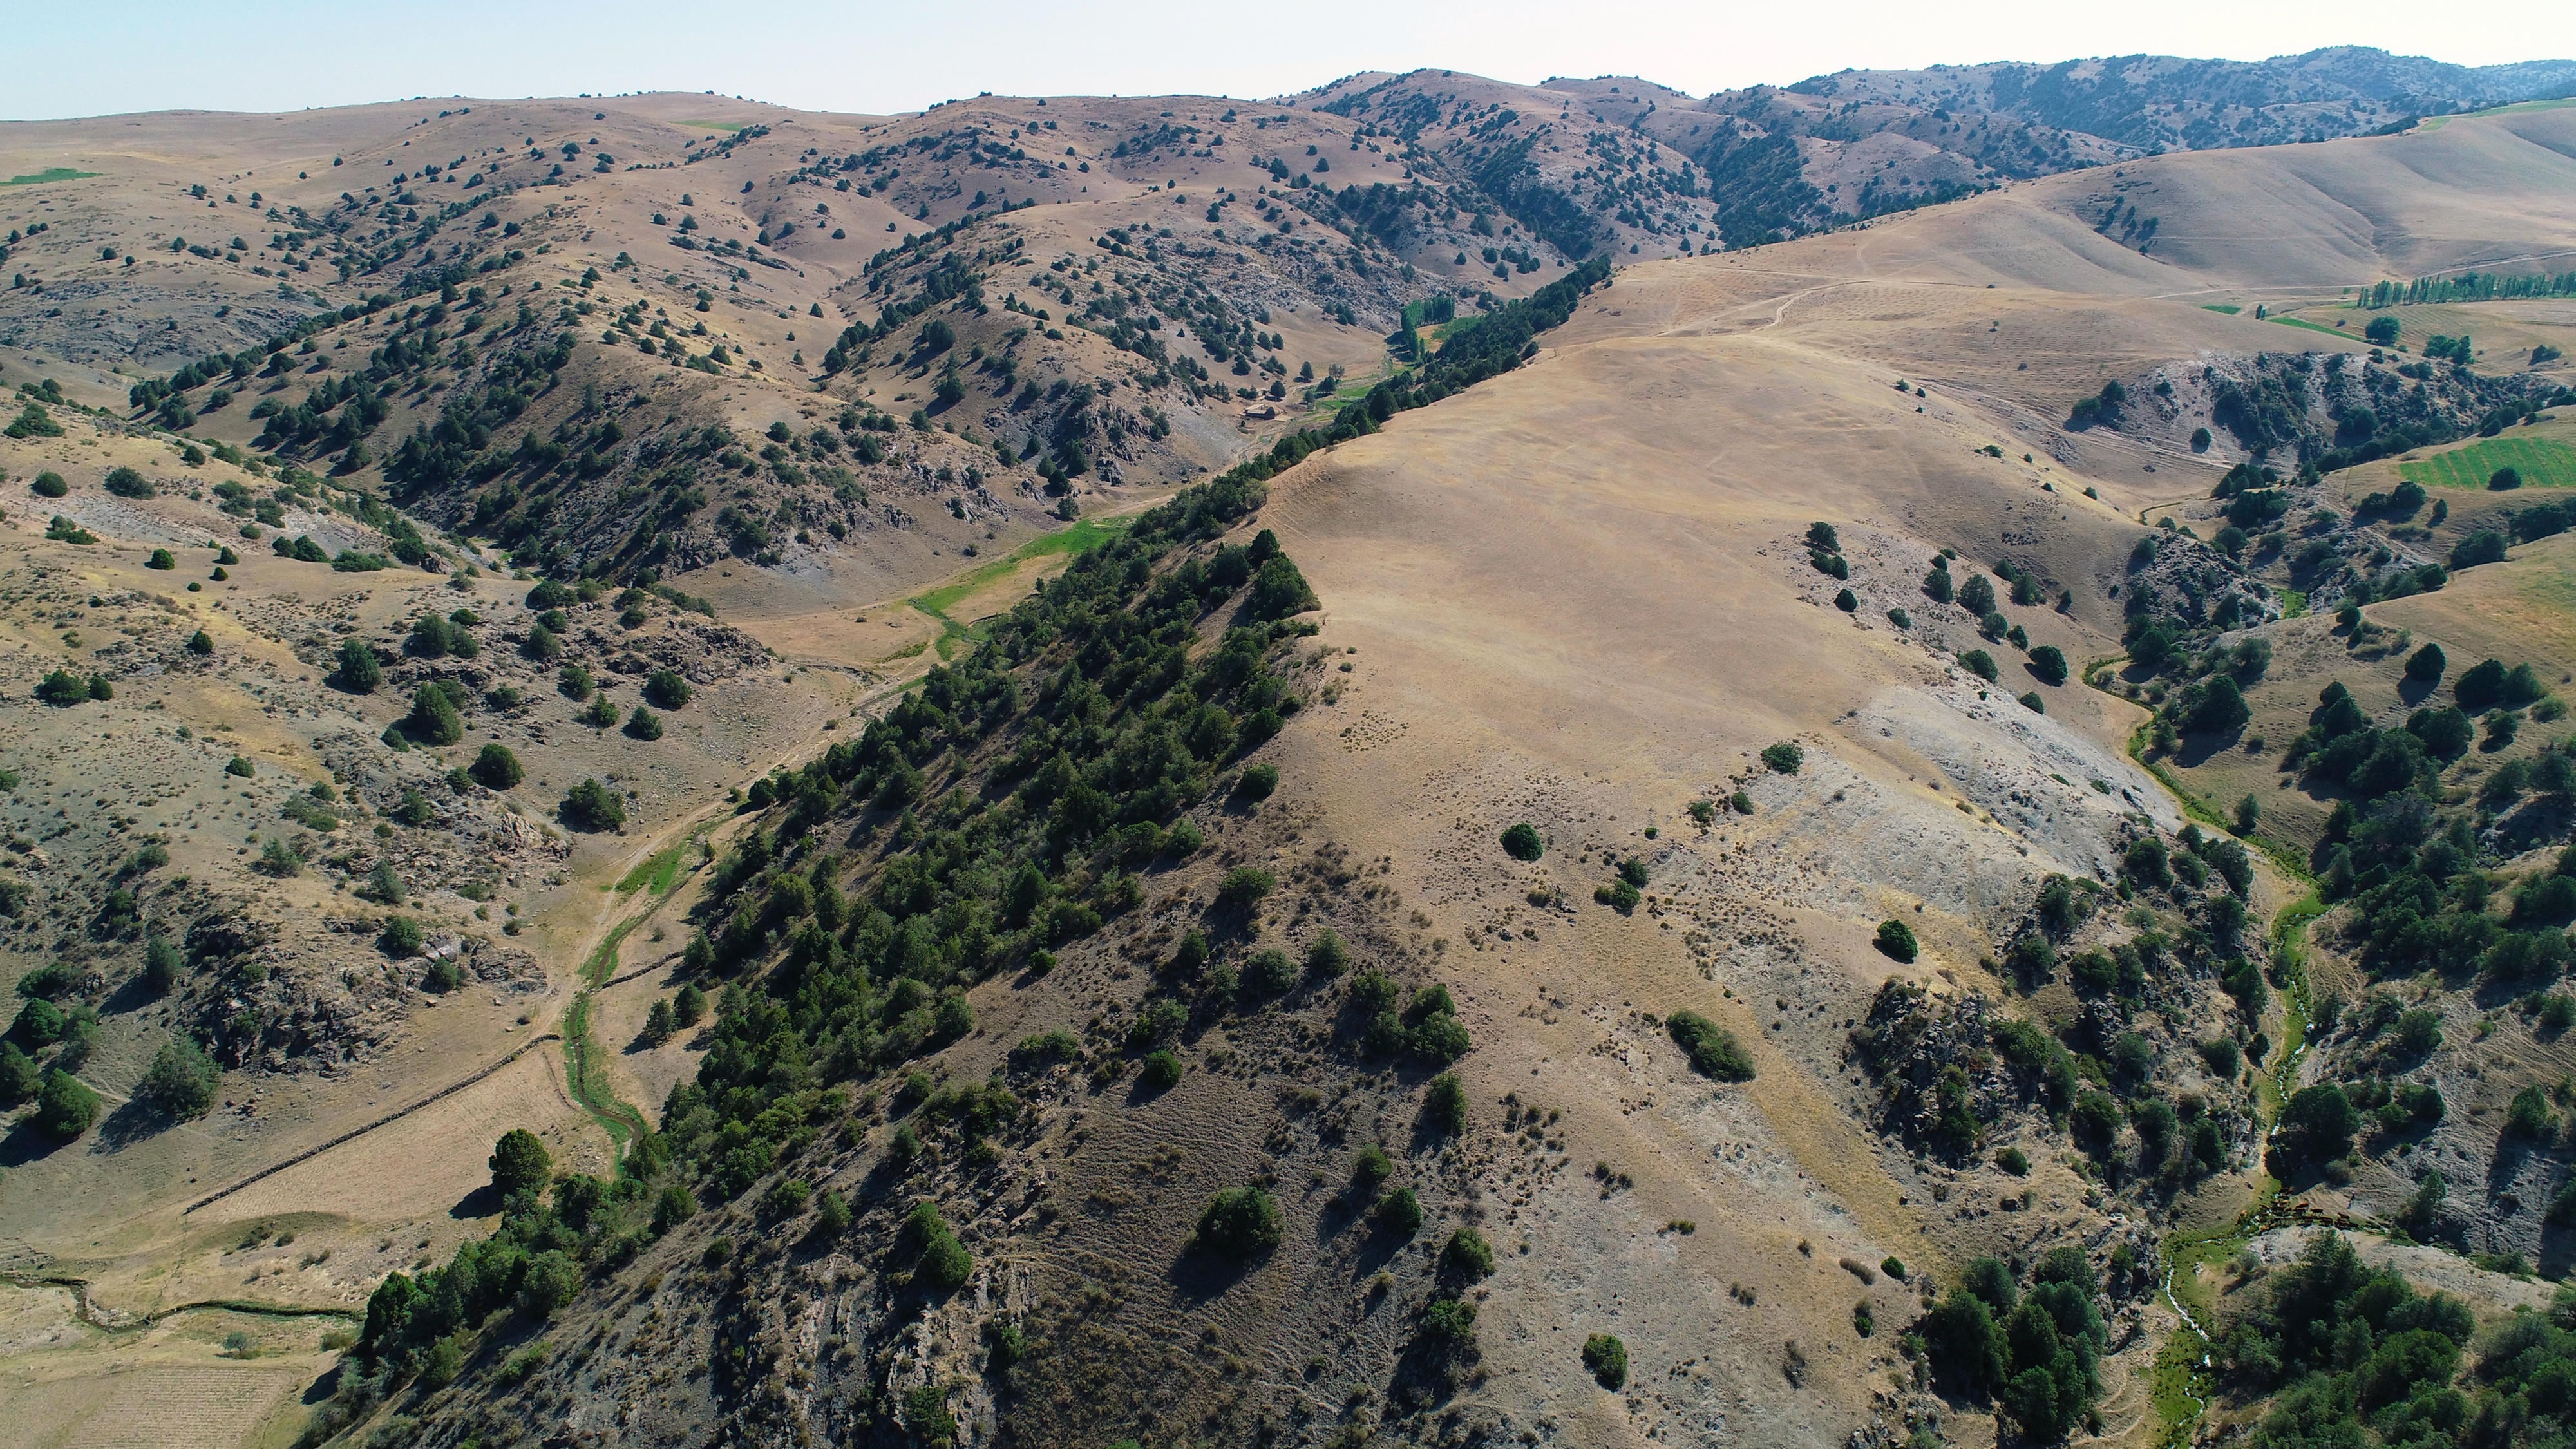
<point>2542,463</point>
<point>50,173</point>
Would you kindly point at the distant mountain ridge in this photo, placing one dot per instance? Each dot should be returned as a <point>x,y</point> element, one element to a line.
<point>2162,102</point>
<point>1769,162</point>
<point>1859,143</point>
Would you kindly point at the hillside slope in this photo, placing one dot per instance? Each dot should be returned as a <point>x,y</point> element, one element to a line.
<point>1157,912</point>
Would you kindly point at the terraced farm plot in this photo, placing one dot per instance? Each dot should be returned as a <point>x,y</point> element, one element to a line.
<point>2543,463</point>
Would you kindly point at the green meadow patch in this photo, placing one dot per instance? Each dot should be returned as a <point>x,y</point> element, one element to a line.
<point>2542,462</point>
<point>1082,536</point>
<point>2311,326</point>
<point>50,173</point>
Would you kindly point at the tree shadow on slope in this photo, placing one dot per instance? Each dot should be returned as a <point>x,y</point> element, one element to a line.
<point>25,1144</point>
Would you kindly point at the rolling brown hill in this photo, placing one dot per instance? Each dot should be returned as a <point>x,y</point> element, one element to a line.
<point>1585,594</point>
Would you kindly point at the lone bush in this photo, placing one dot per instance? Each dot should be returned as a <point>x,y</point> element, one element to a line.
<point>592,806</point>
<point>1268,973</point>
<point>1244,887</point>
<point>1784,758</point>
<point>1521,842</point>
<point>1370,1166</point>
<point>665,688</point>
<point>433,719</point>
<point>496,768</point>
<point>1239,1223</point>
<point>1448,1323</point>
<point>1444,1106</point>
<point>1896,940</point>
<point>1713,1050</point>
<point>64,1107</point>
<point>1467,1257</point>
<point>160,966</point>
<point>1399,1213</point>
<point>278,860</point>
<point>181,1081</point>
<point>520,1164</point>
<point>1606,1358</point>
<point>359,672</point>
<point>1326,956</point>
<point>62,688</point>
<point>940,1262</point>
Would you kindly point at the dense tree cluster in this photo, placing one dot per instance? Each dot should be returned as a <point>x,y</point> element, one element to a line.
<point>2355,1355</point>
<point>2036,1352</point>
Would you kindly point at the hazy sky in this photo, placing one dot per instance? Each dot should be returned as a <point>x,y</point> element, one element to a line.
<point>75,60</point>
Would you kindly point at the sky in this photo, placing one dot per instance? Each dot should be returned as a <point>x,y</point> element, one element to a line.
<point>866,56</point>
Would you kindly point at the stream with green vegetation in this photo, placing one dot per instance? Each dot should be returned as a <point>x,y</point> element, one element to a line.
<point>2181,1376</point>
<point>2180,1379</point>
<point>585,1059</point>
